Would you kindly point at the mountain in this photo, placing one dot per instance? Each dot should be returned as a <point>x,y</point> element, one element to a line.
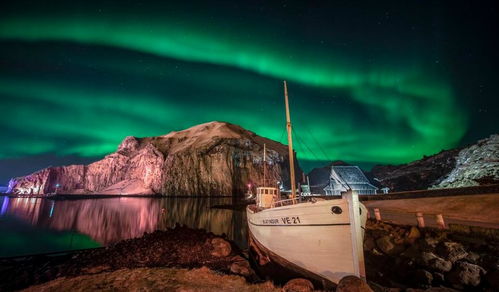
<point>474,165</point>
<point>477,164</point>
<point>215,158</point>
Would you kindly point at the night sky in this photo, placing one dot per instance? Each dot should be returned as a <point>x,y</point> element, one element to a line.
<point>378,83</point>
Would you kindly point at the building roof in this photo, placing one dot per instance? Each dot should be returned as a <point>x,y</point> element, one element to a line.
<point>351,175</point>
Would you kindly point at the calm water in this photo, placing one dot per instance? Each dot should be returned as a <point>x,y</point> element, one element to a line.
<point>34,225</point>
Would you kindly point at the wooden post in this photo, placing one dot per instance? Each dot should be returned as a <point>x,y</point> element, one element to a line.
<point>356,234</point>
<point>440,221</point>
<point>419,217</point>
<point>377,214</point>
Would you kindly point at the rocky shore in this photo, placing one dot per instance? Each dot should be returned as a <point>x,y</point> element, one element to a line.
<point>155,279</point>
<point>180,247</point>
<point>398,258</point>
<point>402,257</point>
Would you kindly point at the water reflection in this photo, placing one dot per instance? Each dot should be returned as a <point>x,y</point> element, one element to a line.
<point>112,219</point>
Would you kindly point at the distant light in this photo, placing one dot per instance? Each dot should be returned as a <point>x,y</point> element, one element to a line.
<point>57,185</point>
<point>52,209</point>
<point>5,205</point>
<point>249,185</point>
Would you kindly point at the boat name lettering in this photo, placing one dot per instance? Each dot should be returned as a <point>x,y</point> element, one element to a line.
<point>290,220</point>
<point>270,221</point>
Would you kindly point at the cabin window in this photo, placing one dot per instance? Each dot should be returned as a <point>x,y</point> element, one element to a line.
<point>266,191</point>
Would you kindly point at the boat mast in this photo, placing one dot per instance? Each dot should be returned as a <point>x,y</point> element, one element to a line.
<point>290,144</point>
<point>264,163</point>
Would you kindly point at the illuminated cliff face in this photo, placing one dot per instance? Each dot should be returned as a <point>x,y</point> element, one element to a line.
<point>210,159</point>
<point>110,220</point>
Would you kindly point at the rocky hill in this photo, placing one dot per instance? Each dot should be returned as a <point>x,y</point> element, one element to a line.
<point>416,175</point>
<point>215,158</point>
<point>475,165</point>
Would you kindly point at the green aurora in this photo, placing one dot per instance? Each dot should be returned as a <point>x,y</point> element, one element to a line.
<point>78,83</point>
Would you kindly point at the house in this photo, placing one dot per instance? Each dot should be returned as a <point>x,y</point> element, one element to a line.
<point>344,177</point>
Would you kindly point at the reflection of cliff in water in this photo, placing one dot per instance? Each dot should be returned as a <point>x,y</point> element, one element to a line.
<point>196,213</point>
<point>113,219</point>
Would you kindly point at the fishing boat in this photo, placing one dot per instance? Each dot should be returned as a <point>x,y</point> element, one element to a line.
<point>318,239</point>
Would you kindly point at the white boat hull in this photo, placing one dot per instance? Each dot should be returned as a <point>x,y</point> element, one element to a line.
<point>309,236</point>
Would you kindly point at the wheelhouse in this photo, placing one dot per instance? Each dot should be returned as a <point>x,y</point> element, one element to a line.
<point>266,196</point>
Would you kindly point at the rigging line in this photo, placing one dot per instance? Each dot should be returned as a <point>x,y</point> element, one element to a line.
<point>317,142</point>
<point>282,135</point>
<point>299,145</point>
<point>302,142</point>
<point>305,144</point>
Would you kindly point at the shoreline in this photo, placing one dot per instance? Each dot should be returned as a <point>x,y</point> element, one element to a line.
<point>415,194</point>
<point>106,196</point>
<point>397,256</point>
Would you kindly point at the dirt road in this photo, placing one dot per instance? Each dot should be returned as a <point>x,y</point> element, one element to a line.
<point>475,210</point>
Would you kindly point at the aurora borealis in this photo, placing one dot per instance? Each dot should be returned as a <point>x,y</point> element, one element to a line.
<point>367,84</point>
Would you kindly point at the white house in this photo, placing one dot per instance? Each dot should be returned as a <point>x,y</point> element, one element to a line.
<point>344,177</point>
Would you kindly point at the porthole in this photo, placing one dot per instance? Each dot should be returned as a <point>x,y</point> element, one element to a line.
<point>336,210</point>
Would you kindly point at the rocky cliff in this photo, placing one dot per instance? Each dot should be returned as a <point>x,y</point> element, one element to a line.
<point>215,158</point>
<point>475,165</point>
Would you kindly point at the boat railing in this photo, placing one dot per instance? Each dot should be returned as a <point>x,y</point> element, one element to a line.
<point>283,203</point>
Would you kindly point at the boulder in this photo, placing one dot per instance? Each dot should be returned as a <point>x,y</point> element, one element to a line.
<point>451,251</point>
<point>412,252</point>
<point>241,267</point>
<point>386,245</point>
<point>352,284</point>
<point>429,243</point>
<point>440,265</point>
<point>220,247</point>
<point>425,258</point>
<point>413,235</point>
<point>369,243</point>
<point>298,285</point>
<point>472,258</point>
<point>465,274</point>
